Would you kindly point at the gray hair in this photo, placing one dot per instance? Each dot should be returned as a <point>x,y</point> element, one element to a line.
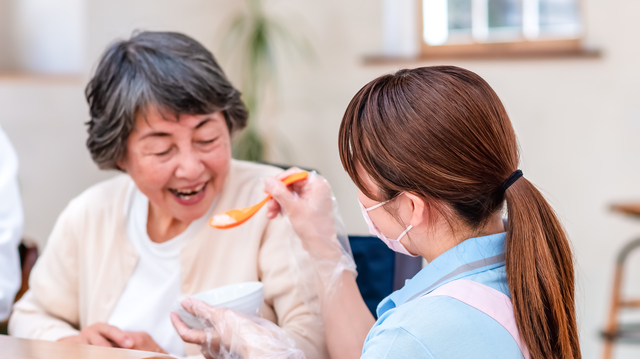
<point>164,69</point>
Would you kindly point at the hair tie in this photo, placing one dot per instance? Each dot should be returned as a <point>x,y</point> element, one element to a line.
<point>510,180</point>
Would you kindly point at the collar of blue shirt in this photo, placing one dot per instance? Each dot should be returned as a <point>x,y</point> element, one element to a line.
<point>471,256</point>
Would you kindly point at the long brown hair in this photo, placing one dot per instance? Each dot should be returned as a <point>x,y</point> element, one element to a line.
<point>443,134</point>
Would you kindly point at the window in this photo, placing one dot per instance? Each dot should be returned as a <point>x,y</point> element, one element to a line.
<point>42,37</point>
<point>477,27</point>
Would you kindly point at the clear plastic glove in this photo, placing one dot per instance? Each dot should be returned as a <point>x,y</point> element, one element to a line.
<point>229,334</point>
<point>312,210</point>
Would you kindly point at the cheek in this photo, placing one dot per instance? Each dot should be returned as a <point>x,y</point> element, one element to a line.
<point>151,174</point>
<point>218,167</point>
<point>219,159</point>
<point>387,224</point>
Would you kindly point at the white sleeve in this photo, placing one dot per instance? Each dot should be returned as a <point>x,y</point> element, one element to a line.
<point>11,221</point>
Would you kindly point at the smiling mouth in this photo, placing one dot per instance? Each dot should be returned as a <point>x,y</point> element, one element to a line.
<point>187,193</point>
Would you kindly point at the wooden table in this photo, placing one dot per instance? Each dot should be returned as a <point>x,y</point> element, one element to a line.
<point>15,348</point>
<point>630,208</point>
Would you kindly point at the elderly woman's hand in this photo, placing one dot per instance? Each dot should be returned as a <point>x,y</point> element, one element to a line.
<point>228,334</point>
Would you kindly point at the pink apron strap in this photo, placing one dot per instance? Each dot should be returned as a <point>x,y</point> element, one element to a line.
<point>487,300</point>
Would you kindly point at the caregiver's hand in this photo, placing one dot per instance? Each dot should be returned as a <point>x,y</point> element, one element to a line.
<point>309,205</point>
<point>229,334</point>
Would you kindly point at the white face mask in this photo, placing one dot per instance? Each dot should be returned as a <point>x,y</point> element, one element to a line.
<point>393,244</point>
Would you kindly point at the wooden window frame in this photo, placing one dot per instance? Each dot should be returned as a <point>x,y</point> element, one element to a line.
<point>522,48</point>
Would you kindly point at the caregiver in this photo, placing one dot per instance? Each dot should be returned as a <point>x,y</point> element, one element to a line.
<point>125,250</point>
<point>434,156</point>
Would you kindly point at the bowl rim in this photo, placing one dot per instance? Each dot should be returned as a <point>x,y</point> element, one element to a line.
<point>254,294</point>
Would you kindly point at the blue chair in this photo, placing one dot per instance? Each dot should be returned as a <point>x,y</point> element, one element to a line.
<point>380,270</point>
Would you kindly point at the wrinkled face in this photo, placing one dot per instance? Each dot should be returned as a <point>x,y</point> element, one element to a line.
<point>179,164</point>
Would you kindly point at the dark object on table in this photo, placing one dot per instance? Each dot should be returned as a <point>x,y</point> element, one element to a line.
<point>28,255</point>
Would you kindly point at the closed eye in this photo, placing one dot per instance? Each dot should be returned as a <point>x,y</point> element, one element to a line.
<point>163,153</point>
<point>208,141</point>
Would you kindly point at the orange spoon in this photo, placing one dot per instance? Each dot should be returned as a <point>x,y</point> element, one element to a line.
<point>236,217</point>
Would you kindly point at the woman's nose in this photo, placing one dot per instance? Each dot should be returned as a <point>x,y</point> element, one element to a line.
<point>190,165</point>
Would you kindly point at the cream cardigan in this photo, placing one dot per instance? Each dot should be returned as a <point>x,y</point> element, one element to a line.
<point>88,260</point>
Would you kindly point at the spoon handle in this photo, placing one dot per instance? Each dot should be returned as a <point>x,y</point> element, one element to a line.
<point>236,217</point>
<point>295,177</point>
<point>287,181</point>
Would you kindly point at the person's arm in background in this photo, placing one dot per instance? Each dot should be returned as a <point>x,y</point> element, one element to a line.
<point>11,221</point>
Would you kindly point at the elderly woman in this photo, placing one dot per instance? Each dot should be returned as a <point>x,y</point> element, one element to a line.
<point>124,252</point>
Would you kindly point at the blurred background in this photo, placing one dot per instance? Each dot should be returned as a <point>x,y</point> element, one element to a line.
<point>567,71</point>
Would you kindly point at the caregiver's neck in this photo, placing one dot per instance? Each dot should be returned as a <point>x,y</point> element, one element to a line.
<point>161,226</point>
<point>436,238</point>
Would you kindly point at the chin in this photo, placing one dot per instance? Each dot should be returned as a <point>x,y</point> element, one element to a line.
<point>191,215</point>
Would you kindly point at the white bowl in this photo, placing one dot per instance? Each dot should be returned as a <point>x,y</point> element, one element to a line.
<point>245,298</point>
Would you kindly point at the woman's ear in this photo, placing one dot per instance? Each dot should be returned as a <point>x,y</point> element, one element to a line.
<point>121,163</point>
<point>419,209</point>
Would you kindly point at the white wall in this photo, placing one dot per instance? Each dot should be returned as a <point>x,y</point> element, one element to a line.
<point>48,36</point>
<point>578,120</point>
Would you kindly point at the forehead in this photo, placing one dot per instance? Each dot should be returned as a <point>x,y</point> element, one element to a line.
<point>156,119</point>
<point>366,180</point>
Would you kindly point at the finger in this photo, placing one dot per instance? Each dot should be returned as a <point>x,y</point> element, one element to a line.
<point>95,338</point>
<point>187,334</point>
<point>279,191</point>
<point>288,173</point>
<point>273,209</point>
<point>117,336</point>
<point>187,304</point>
<point>81,339</point>
<point>211,348</point>
<point>205,311</point>
<point>146,342</point>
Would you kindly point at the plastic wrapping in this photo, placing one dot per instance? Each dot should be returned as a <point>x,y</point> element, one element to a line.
<point>230,335</point>
<point>322,254</point>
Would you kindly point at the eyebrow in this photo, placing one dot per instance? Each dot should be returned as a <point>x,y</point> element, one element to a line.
<point>155,134</point>
<point>203,123</point>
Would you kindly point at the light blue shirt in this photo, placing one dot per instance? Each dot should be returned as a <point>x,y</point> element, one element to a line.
<point>410,326</point>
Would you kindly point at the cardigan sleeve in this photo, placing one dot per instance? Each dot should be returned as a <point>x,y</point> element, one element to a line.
<point>49,310</point>
<point>291,303</point>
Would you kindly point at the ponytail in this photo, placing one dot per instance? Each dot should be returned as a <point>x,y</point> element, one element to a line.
<point>442,133</point>
<point>540,275</point>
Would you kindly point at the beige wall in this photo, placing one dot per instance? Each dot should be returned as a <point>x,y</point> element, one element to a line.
<point>578,120</point>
